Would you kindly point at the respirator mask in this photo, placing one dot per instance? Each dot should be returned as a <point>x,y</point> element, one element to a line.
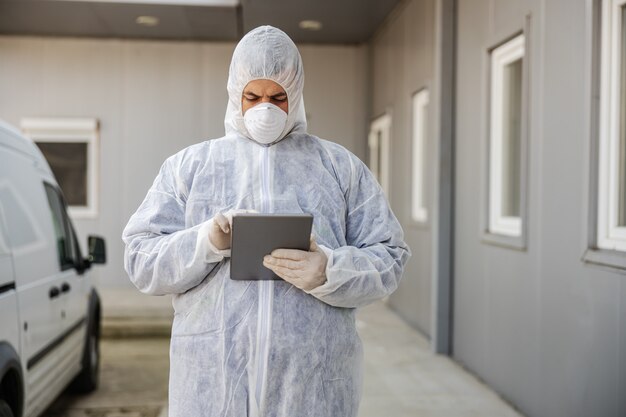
<point>265,122</point>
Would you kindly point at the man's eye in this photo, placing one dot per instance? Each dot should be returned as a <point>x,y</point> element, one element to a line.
<point>251,98</point>
<point>280,98</point>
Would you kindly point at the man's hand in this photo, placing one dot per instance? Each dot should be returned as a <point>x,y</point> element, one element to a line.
<point>219,234</point>
<point>305,270</point>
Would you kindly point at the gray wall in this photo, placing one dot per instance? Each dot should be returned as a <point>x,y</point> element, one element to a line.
<point>154,98</point>
<point>539,325</point>
<point>402,62</point>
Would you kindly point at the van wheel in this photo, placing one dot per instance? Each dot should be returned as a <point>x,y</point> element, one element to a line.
<point>87,380</point>
<point>5,410</point>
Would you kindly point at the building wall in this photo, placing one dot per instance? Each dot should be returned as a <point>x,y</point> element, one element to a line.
<point>539,325</point>
<point>154,98</point>
<point>402,62</point>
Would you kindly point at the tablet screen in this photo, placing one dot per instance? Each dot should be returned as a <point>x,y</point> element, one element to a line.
<point>256,235</point>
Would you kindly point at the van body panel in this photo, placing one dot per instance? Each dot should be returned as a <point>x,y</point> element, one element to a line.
<point>11,138</point>
<point>47,380</point>
<point>30,231</point>
<point>9,320</point>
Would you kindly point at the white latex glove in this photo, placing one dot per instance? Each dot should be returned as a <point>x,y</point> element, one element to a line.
<point>305,270</point>
<point>220,231</point>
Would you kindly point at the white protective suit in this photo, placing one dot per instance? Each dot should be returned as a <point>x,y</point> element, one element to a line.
<point>264,348</point>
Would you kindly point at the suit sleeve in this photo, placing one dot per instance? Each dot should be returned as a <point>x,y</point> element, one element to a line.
<point>370,266</point>
<point>162,255</point>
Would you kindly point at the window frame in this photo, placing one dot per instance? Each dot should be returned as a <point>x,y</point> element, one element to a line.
<point>380,150</point>
<point>420,108</point>
<point>610,236</point>
<point>509,232</point>
<point>72,130</point>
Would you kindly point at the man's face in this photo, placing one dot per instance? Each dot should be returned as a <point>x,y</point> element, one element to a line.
<point>263,91</point>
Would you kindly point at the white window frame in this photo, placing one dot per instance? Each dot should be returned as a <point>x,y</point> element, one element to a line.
<point>420,102</point>
<point>380,150</point>
<point>501,56</point>
<point>609,234</point>
<point>72,130</point>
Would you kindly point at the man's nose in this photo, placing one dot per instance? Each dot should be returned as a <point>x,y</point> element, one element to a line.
<point>266,99</point>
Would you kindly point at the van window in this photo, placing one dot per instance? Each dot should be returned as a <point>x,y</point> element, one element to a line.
<point>69,255</point>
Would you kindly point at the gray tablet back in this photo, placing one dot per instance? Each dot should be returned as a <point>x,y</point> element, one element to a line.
<point>256,235</point>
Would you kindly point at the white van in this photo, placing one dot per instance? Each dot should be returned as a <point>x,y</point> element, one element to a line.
<point>49,308</point>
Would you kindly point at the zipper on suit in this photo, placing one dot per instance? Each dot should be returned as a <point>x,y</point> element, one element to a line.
<point>266,293</point>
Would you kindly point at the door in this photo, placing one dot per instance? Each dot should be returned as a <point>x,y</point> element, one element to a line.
<point>72,298</point>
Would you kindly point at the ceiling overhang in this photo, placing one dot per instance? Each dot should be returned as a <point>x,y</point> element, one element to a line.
<point>345,21</point>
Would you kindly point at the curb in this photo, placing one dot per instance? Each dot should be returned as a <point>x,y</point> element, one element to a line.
<point>127,313</point>
<point>133,327</point>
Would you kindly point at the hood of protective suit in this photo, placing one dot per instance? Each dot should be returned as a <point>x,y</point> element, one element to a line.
<point>266,53</point>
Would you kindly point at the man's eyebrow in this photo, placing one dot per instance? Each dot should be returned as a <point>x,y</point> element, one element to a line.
<point>250,93</point>
<point>282,93</point>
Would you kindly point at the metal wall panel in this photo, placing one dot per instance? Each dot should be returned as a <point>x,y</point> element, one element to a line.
<point>538,325</point>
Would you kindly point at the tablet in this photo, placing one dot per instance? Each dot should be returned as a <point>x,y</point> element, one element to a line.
<point>256,235</point>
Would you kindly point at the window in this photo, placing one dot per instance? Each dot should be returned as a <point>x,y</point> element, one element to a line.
<point>65,239</point>
<point>419,212</point>
<point>611,226</point>
<point>70,147</point>
<point>505,139</point>
<point>379,138</point>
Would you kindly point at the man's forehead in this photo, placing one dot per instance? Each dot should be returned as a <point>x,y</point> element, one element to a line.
<point>264,86</point>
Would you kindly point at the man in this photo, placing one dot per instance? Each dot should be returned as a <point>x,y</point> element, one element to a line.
<point>286,348</point>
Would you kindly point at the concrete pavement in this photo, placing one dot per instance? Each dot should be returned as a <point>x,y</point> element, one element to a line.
<point>133,382</point>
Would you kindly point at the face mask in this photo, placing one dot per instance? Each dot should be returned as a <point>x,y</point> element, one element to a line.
<point>265,122</point>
